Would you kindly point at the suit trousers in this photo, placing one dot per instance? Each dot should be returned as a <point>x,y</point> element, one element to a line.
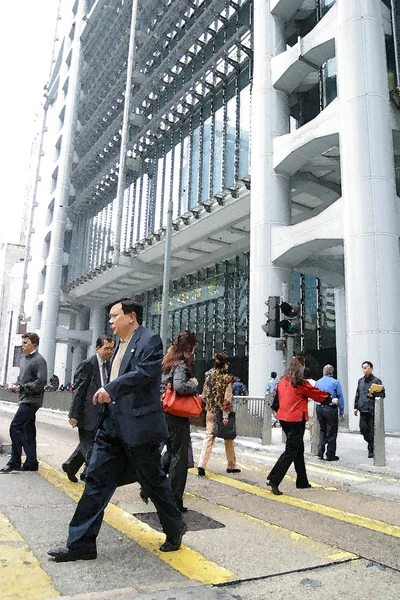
<point>82,452</point>
<point>294,453</point>
<point>209,442</point>
<point>109,461</point>
<point>23,436</point>
<point>367,429</point>
<point>328,420</point>
<point>178,449</point>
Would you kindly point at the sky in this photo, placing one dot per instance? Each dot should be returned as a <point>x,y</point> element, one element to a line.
<point>27,30</point>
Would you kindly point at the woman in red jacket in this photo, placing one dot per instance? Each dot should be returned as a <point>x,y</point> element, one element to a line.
<point>293,393</point>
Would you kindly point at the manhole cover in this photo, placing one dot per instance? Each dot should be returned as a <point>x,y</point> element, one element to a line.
<point>193,519</point>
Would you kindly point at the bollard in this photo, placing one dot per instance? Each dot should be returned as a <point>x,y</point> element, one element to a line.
<point>266,434</point>
<point>315,433</point>
<point>379,434</point>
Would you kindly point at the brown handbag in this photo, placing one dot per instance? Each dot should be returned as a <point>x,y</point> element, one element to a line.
<point>181,406</point>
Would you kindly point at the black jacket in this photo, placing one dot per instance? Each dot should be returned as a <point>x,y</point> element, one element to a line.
<point>135,408</point>
<point>87,381</point>
<point>362,401</point>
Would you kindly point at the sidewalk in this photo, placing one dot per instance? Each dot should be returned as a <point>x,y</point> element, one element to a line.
<point>351,449</point>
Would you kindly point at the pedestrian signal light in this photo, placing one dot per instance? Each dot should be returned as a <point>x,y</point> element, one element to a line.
<point>290,325</point>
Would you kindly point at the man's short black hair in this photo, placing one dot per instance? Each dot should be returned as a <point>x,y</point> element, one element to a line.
<point>102,339</point>
<point>367,362</point>
<point>33,337</point>
<point>130,305</point>
<point>273,375</point>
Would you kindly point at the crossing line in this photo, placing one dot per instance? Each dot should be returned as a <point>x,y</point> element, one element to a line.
<point>21,575</point>
<point>321,509</point>
<point>187,561</point>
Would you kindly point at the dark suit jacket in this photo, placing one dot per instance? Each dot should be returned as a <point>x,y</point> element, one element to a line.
<point>136,407</point>
<point>87,381</point>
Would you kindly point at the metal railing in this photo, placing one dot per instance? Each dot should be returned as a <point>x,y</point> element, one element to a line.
<point>254,417</point>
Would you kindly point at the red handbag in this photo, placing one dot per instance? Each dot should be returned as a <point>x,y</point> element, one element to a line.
<point>181,406</point>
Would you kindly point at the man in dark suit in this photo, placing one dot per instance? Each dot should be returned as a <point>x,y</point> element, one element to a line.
<point>128,438</point>
<point>90,375</point>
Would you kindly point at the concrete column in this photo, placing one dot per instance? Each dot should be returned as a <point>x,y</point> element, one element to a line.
<point>79,353</point>
<point>270,194</point>
<point>96,325</point>
<point>341,347</point>
<point>371,249</point>
<point>68,375</point>
<point>55,257</point>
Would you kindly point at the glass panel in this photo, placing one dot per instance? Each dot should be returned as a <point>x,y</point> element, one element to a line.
<point>330,76</point>
<point>310,312</point>
<point>244,149</point>
<point>218,150</point>
<point>194,168</point>
<point>159,193</point>
<point>230,142</point>
<point>185,175</point>
<point>205,175</point>
<point>175,183</point>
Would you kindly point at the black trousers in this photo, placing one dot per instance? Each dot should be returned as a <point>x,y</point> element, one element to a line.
<point>109,461</point>
<point>294,453</point>
<point>82,452</point>
<point>328,420</point>
<point>178,450</point>
<point>367,429</point>
<point>23,436</point>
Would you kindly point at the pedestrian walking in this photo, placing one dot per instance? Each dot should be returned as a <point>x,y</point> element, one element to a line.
<point>30,387</point>
<point>364,403</point>
<point>177,370</point>
<point>328,415</point>
<point>90,375</point>
<point>217,395</point>
<point>293,394</point>
<point>270,385</point>
<point>128,439</point>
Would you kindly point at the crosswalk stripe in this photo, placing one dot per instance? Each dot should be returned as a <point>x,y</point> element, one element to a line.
<point>332,553</point>
<point>187,561</point>
<point>21,575</point>
<point>326,511</point>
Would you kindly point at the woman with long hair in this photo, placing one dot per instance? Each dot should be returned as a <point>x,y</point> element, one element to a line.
<point>293,394</point>
<point>177,370</point>
<point>217,394</point>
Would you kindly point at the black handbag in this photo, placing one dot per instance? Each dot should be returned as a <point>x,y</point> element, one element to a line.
<point>228,431</point>
<point>275,400</point>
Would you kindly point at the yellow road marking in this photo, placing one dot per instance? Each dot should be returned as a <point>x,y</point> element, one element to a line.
<point>190,563</point>
<point>21,575</point>
<point>321,509</point>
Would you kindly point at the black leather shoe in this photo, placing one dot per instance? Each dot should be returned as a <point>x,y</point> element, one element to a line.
<point>71,476</point>
<point>183,509</point>
<point>174,543</point>
<point>332,458</point>
<point>9,469</point>
<point>26,467</point>
<point>82,476</point>
<point>370,455</point>
<point>68,555</point>
<point>303,487</point>
<point>233,470</point>
<point>320,455</point>
<point>274,488</point>
<point>143,496</point>
<point>201,472</point>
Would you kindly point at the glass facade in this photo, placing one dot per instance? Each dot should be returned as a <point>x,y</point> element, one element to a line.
<point>209,153</point>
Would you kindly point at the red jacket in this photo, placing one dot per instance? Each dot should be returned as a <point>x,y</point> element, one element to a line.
<point>293,401</point>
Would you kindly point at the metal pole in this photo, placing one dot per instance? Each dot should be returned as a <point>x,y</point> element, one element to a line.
<point>379,434</point>
<point>8,349</point>
<point>315,433</point>
<point>117,217</point>
<point>166,274</point>
<point>266,434</point>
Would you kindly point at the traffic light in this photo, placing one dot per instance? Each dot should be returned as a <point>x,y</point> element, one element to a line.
<point>290,325</point>
<point>271,327</point>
